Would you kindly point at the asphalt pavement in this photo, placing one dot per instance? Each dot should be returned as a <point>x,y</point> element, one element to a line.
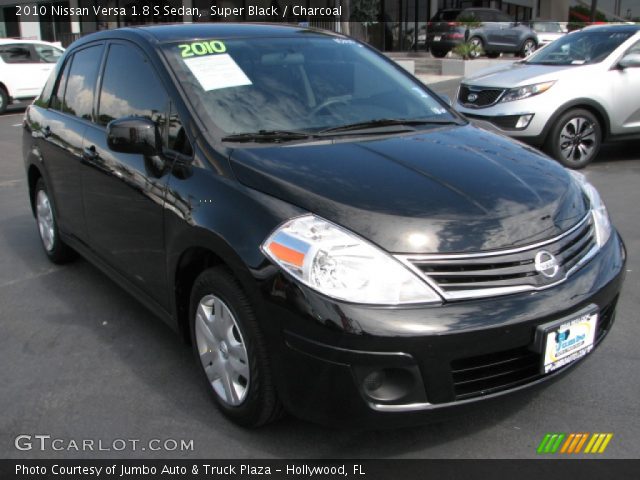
<point>82,360</point>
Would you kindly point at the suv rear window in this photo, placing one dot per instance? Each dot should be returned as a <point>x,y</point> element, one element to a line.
<point>446,15</point>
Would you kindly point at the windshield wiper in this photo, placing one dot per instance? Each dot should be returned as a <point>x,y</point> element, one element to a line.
<point>266,136</point>
<point>386,122</point>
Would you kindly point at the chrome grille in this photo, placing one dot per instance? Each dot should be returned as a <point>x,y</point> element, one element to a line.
<point>462,276</point>
<point>479,97</point>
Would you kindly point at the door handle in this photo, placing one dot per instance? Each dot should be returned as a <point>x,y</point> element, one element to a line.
<point>46,131</point>
<point>89,153</point>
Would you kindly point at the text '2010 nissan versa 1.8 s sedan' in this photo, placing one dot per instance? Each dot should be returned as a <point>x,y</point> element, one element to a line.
<point>334,240</point>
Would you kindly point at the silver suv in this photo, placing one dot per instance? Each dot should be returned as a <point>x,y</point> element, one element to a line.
<point>568,97</point>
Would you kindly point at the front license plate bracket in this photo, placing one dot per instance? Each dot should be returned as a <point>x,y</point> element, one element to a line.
<point>566,340</point>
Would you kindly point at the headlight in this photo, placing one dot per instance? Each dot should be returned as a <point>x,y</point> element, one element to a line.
<point>598,209</point>
<point>527,91</point>
<point>339,264</point>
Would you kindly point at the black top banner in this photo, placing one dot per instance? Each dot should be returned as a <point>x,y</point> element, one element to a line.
<point>320,469</point>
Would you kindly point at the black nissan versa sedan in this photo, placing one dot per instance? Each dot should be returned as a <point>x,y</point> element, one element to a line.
<point>334,240</point>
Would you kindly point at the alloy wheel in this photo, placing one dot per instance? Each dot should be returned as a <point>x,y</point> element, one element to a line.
<point>528,48</point>
<point>222,350</point>
<point>577,139</point>
<point>44,215</point>
<point>476,49</point>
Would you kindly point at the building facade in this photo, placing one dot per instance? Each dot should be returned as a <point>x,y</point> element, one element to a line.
<point>387,24</point>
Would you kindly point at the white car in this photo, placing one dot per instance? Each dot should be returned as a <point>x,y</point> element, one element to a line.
<point>548,32</point>
<point>568,97</point>
<point>25,66</point>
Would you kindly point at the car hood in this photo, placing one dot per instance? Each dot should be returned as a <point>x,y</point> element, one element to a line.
<point>451,189</point>
<point>519,74</point>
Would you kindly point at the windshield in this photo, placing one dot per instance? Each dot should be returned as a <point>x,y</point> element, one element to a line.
<point>580,48</point>
<point>547,27</point>
<point>302,84</point>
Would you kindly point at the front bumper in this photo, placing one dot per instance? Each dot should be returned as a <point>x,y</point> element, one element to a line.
<point>502,116</point>
<point>437,358</point>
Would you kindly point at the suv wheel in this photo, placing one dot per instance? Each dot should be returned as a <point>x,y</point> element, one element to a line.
<point>575,138</point>
<point>231,350</point>
<point>4,100</point>
<point>54,246</point>
<point>478,47</point>
<point>528,47</point>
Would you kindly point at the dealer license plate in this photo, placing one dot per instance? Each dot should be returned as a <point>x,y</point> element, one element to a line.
<point>568,341</point>
<point>437,38</point>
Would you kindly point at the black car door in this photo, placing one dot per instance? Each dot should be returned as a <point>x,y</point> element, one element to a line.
<point>62,126</point>
<point>124,193</point>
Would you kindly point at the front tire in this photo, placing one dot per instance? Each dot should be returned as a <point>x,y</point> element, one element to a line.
<point>477,47</point>
<point>575,138</point>
<point>55,248</point>
<point>231,349</point>
<point>528,47</point>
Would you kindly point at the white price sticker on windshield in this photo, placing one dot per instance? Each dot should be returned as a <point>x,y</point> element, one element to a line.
<point>214,72</point>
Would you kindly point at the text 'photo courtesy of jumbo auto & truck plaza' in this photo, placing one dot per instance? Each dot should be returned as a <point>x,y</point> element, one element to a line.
<point>319,238</point>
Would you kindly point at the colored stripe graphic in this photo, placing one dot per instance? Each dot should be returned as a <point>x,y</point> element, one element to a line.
<point>598,443</point>
<point>550,443</point>
<point>572,443</point>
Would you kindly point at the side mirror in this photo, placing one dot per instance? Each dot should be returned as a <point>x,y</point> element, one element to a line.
<point>631,60</point>
<point>134,135</point>
<point>445,98</point>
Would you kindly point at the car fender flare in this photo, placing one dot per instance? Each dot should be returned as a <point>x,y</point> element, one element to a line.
<point>205,239</point>
<point>586,103</point>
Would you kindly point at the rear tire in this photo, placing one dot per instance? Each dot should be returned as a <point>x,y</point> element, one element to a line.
<point>4,100</point>
<point>575,138</point>
<point>55,248</point>
<point>231,350</point>
<point>439,53</point>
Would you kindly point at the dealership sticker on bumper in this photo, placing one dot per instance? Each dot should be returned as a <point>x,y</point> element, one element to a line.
<point>569,341</point>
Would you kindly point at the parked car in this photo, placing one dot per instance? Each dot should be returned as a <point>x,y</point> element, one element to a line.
<point>547,32</point>
<point>497,33</point>
<point>332,237</point>
<point>24,69</point>
<point>567,98</point>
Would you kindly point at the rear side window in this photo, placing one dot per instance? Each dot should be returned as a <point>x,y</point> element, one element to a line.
<point>58,95</point>
<point>47,53</point>
<point>18,53</point>
<point>503,17</point>
<point>78,96</point>
<point>130,87</point>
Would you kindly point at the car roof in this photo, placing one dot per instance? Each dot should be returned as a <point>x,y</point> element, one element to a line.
<point>183,32</point>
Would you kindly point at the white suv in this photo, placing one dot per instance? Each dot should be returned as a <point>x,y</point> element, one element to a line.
<point>568,97</point>
<point>25,66</point>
